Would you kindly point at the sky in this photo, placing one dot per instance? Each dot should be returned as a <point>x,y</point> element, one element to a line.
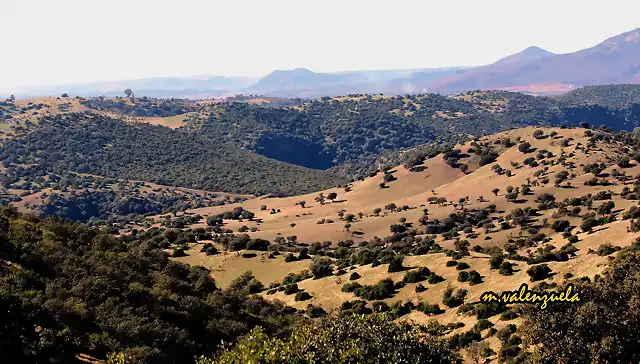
<point>51,42</point>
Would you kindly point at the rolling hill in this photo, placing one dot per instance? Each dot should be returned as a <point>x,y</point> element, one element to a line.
<point>463,231</point>
<point>221,146</point>
<point>351,132</point>
<point>604,95</point>
<point>420,240</point>
<point>87,154</point>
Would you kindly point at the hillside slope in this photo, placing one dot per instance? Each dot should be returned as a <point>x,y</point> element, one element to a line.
<point>352,136</point>
<point>94,144</point>
<point>604,95</point>
<point>354,130</point>
<point>547,207</point>
<point>434,178</point>
<point>543,202</point>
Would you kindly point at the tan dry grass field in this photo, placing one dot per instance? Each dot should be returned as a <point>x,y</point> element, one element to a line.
<point>413,189</point>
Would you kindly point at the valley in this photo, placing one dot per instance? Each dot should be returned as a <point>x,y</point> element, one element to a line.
<point>319,183</point>
<point>322,212</point>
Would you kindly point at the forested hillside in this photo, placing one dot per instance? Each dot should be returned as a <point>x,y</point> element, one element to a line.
<point>106,147</point>
<point>68,289</point>
<point>388,269</point>
<point>357,129</point>
<point>604,95</point>
<point>221,145</point>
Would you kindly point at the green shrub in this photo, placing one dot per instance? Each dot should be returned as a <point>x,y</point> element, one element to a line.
<point>434,278</point>
<point>344,339</point>
<point>539,272</point>
<point>506,268</point>
<point>453,300</point>
<point>416,276</point>
<point>395,265</point>
<point>483,324</point>
<point>302,296</point>
<point>607,249</point>
<point>474,278</point>
<point>291,289</point>
<point>429,309</point>
<point>495,261</point>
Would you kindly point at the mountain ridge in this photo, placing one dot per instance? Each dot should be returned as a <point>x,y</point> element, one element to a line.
<point>528,54</point>
<point>613,61</point>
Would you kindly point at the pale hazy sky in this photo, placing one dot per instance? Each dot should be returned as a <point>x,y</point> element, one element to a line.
<point>66,41</point>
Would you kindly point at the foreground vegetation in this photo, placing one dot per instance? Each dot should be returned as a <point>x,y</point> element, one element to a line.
<point>67,289</point>
<point>342,339</point>
<point>86,292</point>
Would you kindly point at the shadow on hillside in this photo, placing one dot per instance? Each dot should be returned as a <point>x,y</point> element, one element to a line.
<point>602,228</point>
<point>407,268</point>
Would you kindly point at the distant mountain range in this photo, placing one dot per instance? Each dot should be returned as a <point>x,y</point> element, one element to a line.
<point>614,61</point>
<point>534,70</point>
<point>183,87</point>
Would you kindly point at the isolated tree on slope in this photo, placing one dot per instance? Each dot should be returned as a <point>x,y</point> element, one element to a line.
<point>130,95</point>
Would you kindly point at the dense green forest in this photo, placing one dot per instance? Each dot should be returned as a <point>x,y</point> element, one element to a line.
<point>604,95</point>
<point>106,147</point>
<point>356,130</point>
<point>102,205</point>
<point>67,289</point>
